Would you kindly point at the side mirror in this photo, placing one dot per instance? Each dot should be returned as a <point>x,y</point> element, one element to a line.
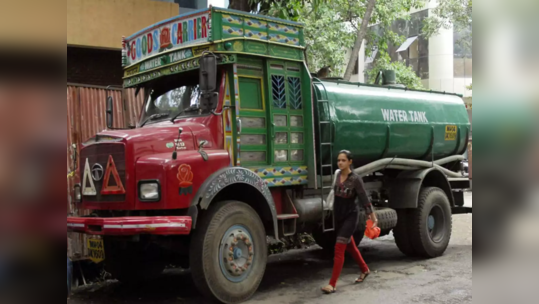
<point>201,144</point>
<point>208,72</point>
<point>110,112</point>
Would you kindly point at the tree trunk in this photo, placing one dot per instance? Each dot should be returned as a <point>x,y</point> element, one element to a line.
<point>240,5</point>
<point>359,41</point>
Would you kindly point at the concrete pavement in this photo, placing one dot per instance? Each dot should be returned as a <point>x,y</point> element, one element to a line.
<point>296,278</point>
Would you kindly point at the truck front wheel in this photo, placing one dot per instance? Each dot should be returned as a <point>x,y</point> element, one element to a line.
<point>229,252</point>
<point>431,224</point>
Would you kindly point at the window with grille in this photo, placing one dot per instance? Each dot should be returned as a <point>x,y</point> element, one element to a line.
<point>278,89</point>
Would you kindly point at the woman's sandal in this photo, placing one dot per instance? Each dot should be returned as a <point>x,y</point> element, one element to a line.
<point>363,277</point>
<point>329,289</point>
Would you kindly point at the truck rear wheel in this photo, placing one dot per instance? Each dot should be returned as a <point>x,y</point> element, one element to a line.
<point>229,252</point>
<point>328,240</point>
<point>431,223</point>
<point>403,232</point>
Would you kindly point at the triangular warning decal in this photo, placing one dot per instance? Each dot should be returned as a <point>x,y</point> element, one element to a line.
<point>88,191</point>
<point>111,169</point>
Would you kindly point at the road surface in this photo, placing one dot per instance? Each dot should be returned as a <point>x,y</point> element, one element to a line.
<point>296,278</point>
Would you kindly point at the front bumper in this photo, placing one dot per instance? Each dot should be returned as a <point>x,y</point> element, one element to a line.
<point>125,226</point>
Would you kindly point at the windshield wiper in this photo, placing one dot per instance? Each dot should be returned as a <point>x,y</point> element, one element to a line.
<point>154,117</point>
<point>190,109</point>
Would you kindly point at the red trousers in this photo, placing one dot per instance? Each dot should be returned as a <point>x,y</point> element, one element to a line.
<point>339,260</point>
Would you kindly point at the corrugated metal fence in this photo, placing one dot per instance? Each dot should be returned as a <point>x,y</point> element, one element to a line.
<point>86,107</point>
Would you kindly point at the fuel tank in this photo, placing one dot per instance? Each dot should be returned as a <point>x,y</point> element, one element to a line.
<point>375,122</point>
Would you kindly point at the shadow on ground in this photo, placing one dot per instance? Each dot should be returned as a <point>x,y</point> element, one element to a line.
<point>293,269</point>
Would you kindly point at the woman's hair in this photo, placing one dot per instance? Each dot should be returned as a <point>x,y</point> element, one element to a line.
<point>349,155</point>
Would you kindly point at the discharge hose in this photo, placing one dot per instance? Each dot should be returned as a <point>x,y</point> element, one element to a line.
<point>409,164</point>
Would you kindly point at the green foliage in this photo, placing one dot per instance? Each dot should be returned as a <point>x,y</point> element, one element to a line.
<point>332,26</point>
<point>385,13</point>
<point>405,75</point>
<point>327,36</point>
<point>456,13</point>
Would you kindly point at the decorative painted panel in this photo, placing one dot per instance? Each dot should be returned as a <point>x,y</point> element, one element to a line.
<point>232,31</point>
<point>283,28</point>
<point>256,34</point>
<point>286,52</point>
<point>287,181</point>
<point>256,47</point>
<point>280,171</point>
<point>227,122</point>
<point>283,176</point>
<point>256,23</point>
<point>232,19</point>
<point>283,39</point>
<point>238,106</point>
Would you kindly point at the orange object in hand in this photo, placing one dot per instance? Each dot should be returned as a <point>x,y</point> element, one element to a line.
<point>372,233</point>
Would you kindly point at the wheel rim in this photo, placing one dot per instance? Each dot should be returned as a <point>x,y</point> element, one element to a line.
<point>236,254</point>
<point>436,224</point>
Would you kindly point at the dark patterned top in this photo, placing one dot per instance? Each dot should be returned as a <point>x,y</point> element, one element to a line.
<point>347,192</point>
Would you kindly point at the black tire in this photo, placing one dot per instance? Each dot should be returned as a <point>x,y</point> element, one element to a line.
<point>206,241</point>
<point>427,242</point>
<point>132,263</point>
<point>387,219</point>
<point>328,240</point>
<point>403,232</point>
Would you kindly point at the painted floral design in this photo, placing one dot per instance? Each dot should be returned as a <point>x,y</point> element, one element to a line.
<point>185,176</point>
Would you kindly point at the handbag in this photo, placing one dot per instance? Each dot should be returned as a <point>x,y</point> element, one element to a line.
<point>330,201</point>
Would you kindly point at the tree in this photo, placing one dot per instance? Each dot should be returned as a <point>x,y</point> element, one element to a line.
<point>359,40</point>
<point>333,27</point>
<point>451,13</point>
<point>405,74</point>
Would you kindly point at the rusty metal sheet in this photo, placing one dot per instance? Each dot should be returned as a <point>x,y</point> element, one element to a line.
<point>133,105</point>
<point>93,105</point>
<point>71,134</point>
<point>86,106</point>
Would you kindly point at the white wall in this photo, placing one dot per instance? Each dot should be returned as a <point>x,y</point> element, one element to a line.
<point>441,65</point>
<point>219,3</point>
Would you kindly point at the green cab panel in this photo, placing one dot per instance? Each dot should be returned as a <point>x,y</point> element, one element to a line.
<point>375,122</point>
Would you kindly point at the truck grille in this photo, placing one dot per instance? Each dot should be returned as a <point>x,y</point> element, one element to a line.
<point>99,154</point>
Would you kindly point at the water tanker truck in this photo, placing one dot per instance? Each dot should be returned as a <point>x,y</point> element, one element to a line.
<point>235,151</point>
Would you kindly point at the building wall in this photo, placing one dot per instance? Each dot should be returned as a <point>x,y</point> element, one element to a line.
<point>442,64</point>
<point>102,23</point>
<point>94,66</point>
<point>441,61</point>
<point>187,6</point>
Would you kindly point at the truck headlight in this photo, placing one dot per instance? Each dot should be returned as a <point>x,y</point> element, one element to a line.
<point>78,193</point>
<point>149,191</point>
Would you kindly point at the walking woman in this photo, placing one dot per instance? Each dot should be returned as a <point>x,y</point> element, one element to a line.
<point>348,187</point>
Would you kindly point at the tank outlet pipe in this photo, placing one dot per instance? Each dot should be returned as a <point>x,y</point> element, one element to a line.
<point>400,163</point>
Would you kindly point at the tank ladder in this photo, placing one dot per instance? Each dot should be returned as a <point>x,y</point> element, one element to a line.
<point>324,146</point>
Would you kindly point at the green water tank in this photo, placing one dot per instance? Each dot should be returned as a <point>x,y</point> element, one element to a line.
<point>376,122</point>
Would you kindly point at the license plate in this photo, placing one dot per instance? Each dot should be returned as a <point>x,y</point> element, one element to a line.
<point>96,250</point>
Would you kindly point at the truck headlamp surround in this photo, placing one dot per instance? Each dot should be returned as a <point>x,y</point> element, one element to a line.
<point>149,190</point>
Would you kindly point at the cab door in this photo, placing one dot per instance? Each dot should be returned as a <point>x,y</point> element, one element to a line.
<point>286,110</point>
<point>253,116</point>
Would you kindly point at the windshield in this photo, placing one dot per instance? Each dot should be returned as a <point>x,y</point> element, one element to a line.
<point>176,96</point>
